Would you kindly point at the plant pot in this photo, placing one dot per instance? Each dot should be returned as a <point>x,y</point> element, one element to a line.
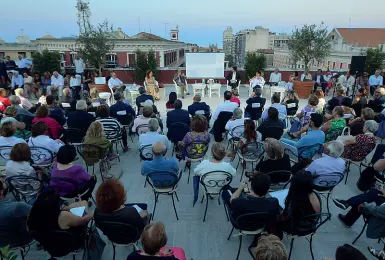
<point>303,88</point>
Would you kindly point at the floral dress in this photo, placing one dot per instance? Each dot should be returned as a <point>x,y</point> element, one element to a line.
<point>193,146</point>
<point>337,126</point>
<point>364,145</point>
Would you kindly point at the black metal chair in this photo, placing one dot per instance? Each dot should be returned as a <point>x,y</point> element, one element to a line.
<point>220,124</point>
<point>74,136</point>
<point>195,152</point>
<point>325,184</point>
<point>22,187</point>
<point>250,152</point>
<point>164,183</point>
<point>24,249</point>
<point>145,153</point>
<point>42,158</point>
<point>113,132</point>
<point>236,134</point>
<point>126,120</point>
<point>93,154</point>
<point>76,194</point>
<point>141,129</point>
<point>250,224</point>
<point>119,234</point>
<point>275,132</point>
<point>213,182</point>
<point>308,152</point>
<point>5,152</point>
<point>279,179</point>
<point>176,132</point>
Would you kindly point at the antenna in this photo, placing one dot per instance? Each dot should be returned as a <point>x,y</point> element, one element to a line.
<point>165,29</point>
<point>150,21</point>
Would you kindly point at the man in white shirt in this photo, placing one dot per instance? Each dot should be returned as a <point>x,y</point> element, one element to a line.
<point>79,66</point>
<point>375,81</point>
<point>23,64</point>
<point>115,83</point>
<point>17,80</point>
<point>275,77</point>
<point>227,106</point>
<point>351,79</point>
<point>28,82</point>
<point>258,80</point>
<point>57,84</point>
<point>234,122</point>
<point>152,136</point>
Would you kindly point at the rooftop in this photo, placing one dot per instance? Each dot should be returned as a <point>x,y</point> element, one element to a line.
<point>363,37</point>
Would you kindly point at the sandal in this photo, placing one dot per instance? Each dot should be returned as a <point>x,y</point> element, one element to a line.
<point>292,136</point>
<point>373,252</point>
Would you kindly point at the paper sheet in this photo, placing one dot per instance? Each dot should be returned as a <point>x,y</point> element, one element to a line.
<point>78,211</point>
<point>281,196</point>
<point>138,209</point>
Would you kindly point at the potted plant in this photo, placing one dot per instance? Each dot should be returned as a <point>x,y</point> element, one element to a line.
<point>7,254</point>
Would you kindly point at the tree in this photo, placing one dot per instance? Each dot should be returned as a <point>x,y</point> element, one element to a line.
<point>254,62</point>
<point>152,64</point>
<point>46,61</point>
<point>141,66</point>
<point>94,44</point>
<point>374,60</point>
<point>310,43</point>
<point>230,59</point>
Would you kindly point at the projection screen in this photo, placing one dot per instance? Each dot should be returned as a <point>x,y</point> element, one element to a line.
<point>205,65</point>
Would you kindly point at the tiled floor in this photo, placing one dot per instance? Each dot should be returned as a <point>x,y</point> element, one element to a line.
<point>208,240</point>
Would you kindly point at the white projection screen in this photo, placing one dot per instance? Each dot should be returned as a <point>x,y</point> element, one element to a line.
<point>205,65</point>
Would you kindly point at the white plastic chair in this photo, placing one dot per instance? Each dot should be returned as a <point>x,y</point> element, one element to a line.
<point>199,88</point>
<point>214,89</point>
<point>178,89</point>
<point>251,88</point>
<point>229,87</point>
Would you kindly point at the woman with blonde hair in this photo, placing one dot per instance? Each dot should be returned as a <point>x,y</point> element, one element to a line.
<point>152,85</point>
<point>270,248</point>
<point>95,136</point>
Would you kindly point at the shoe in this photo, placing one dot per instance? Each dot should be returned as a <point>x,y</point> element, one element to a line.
<point>188,94</point>
<point>126,149</point>
<point>183,97</point>
<point>342,204</point>
<point>188,164</point>
<point>341,218</point>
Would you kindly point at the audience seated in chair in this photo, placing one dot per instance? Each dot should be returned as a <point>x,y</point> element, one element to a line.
<point>80,119</point>
<point>198,105</point>
<point>348,252</point>
<point>234,97</point>
<point>321,100</point>
<point>68,99</point>
<point>378,100</point>
<point>270,247</point>
<point>152,136</point>
<point>16,102</point>
<point>334,127</point>
<point>275,102</point>
<point>7,132</point>
<point>357,125</point>
<point>154,240</point>
<point>291,103</point>
<point>349,112</point>
<point>19,165</point>
<point>226,106</point>
<point>159,162</point>
<point>95,136</point>
<point>24,101</point>
<point>38,138</point>
<point>360,102</point>
<point>55,112</point>
<point>120,106</point>
<point>65,168</point>
<point>111,206</point>
<point>54,129</point>
<point>9,115</point>
<point>94,94</point>
<point>13,216</point>
<point>178,115</point>
<point>143,119</point>
<point>336,101</point>
<point>249,135</point>
<point>171,99</point>
<point>4,100</point>
<point>255,104</point>
<point>272,126</point>
<point>235,121</point>
<point>142,98</point>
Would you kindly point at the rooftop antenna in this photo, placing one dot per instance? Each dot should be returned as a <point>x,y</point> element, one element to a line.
<point>150,22</point>
<point>165,29</point>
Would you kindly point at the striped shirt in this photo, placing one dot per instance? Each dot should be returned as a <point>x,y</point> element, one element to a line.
<point>112,128</point>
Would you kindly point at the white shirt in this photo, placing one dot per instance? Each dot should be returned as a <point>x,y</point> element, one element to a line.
<point>114,82</point>
<point>350,81</point>
<point>342,80</point>
<point>325,165</point>
<point>227,106</point>
<point>79,65</point>
<point>24,63</point>
<point>11,141</point>
<point>258,81</point>
<point>152,138</point>
<point>234,77</point>
<point>231,124</point>
<point>59,81</point>
<point>275,77</point>
<point>327,78</point>
<point>307,76</point>
<point>46,142</point>
<point>318,79</point>
<point>77,81</point>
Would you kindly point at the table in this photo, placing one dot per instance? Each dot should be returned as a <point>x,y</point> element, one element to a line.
<point>132,90</point>
<point>277,89</point>
<point>199,87</point>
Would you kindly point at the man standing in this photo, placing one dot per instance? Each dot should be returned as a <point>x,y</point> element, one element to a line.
<point>10,64</point>
<point>23,64</point>
<point>79,66</point>
<point>57,84</point>
<point>375,81</point>
<point>319,81</point>
<point>351,80</point>
<point>116,84</point>
<point>233,78</point>
<point>180,80</point>
<point>275,77</point>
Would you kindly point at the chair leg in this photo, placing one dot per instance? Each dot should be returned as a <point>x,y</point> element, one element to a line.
<point>238,163</point>
<point>173,203</point>
<point>189,172</point>
<point>176,195</point>
<point>311,246</point>
<point>22,254</point>
<point>145,183</point>
<point>156,200</point>
<point>207,203</point>
<point>347,171</point>
<point>327,204</point>
<point>243,171</point>
<point>359,235</point>
<point>231,232</point>
<point>240,245</point>
<point>113,247</point>
<point>291,247</point>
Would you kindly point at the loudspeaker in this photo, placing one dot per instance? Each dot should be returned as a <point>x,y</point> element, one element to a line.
<point>358,65</point>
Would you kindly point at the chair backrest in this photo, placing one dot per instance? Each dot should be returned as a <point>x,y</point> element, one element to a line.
<point>73,193</point>
<point>220,123</point>
<point>145,152</point>
<point>118,233</point>
<point>252,150</point>
<point>162,179</point>
<point>308,152</point>
<point>237,132</point>
<point>5,152</point>
<point>308,224</point>
<point>142,129</point>
<point>74,135</point>
<point>346,131</point>
<point>41,156</point>
<point>196,150</point>
<point>216,180</point>
<point>210,81</point>
<point>327,181</point>
<point>112,129</point>
<point>273,131</point>
<point>25,187</point>
<point>254,221</point>
<point>279,177</point>
<point>124,118</point>
<point>177,131</point>
<point>92,153</point>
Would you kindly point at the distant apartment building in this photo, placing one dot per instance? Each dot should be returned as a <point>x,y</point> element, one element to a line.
<point>228,42</point>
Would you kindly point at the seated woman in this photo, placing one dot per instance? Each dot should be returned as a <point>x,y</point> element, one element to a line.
<point>49,214</point>
<point>143,119</point>
<point>94,93</point>
<point>291,103</point>
<point>24,101</point>
<point>45,80</point>
<point>95,136</point>
<point>154,240</point>
<point>54,129</point>
<point>321,100</point>
<point>111,206</point>
<point>38,138</point>
<point>4,100</point>
<point>357,125</point>
<point>171,99</point>
<point>349,113</point>
<point>272,126</point>
<point>42,97</point>
<point>9,117</point>
<point>358,147</point>
<point>19,165</point>
<point>65,168</point>
<point>68,103</point>
<point>360,101</point>
<point>334,127</point>
<point>271,246</point>
<point>80,118</point>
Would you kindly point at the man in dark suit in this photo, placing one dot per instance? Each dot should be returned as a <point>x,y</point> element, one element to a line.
<point>255,105</point>
<point>178,115</point>
<point>80,118</point>
<point>120,106</point>
<point>199,106</point>
<point>234,78</point>
<point>319,81</point>
<point>143,97</point>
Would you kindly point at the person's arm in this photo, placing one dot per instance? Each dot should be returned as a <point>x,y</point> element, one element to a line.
<point>379,165</point>
<point>325,128</point>
<point>264,113</point>
<point>370,82</point>
<point>71,220</point>
<point>238,192</point>
<point>228,124</point>
<point>374,210</point>
<point>19,125</point>
<point>350,140</point>
<point>271,77</point>
<point>382,81</point>
<point>312,168</point>
<point>216,113</point>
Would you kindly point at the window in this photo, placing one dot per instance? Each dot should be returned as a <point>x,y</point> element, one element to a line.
<point>341,65</point>
<point>23,53</point>
<point>334,65</point>
<point>111,57</point>
<point>332,37</point>
<point>62,56</point>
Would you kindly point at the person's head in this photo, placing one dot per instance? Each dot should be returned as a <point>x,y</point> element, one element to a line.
<point>346,102</point>
<point>270,248</point>
<point>66,154</point>
<point>15,100</point>
<point>258,74</point>
<point>153,238</point>
<point>316,120</point>
<point>94,93</point>
<point>110,196</point>
<point>275,99</point>
<point>377,73</point>
<point>19,56</point>
<point>25,75</point>
<point>103,111</point>
<point>142,90</point>
<point>77,57</point>
<point>301,185</point>
<point>67,92</point>
<point>334,148</point>
<point>19,92</point>
<point>249,130</point>
<point>237,113</point>
<point>338,111</point>
<point>218,151</point>
<point>365,75</point>
<point>10,75</point>
<point>147,111</point>
<point>153,125</point>
<point>95,130</point>
<point>149,74</point>
<point>7,129</point>
<point>272,113</point>
<point>379,92</point>
<point>362,92</point>
<point>50,100</point>
<point>38,128</point>
<point>273,149</point>
<point>319,72</point>
<point>367,113</point>
<point>319,93</point>
<point>328,72</point>
<point>257,92</point>
<point>235,93</point>
<point>370,126</point>
<point>235,68</point>
<point>42,111</point>
<point>47,75</point>
<point>118,96</point>
<point>15,73</point>
<point>276,70</point>
<point>260,184</point>
<point>199,124</point>
<point>340,90</point>
<point>179,72</point>
<point>172,97</point>
<point>293,95</point>
<point>81,105</point>
<point>313,100</point>
<point>348,252</point>
<point>3,93</point>
<point>10,111</point>
<point>227,95</point>
<point>159,149</point>
<point>197,98</point>
<point>55,74</point>
<point>8,58</point>
<point>178,104</point>
<point>113,75</point>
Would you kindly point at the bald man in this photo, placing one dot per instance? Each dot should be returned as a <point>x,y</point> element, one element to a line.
<point>159,162</point>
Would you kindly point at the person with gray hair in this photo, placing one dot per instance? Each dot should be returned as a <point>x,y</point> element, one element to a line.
<point>180,80</point>
<point>152,136</point>
<point>200,106</point>
<point>275,77</point>
<point>375,81</point>
<point>330,162</point>
<point>16,102</point>
<point>80,118</point>
<point>236,121</point>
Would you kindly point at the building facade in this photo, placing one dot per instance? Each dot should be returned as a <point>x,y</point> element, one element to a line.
<point>229,42</point>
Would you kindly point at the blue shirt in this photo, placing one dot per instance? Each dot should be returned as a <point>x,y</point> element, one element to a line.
<point>312,138</point>
<point>160,164</point>
<point>281,110</point>
<point>17,81</point>
<point>375,81</point>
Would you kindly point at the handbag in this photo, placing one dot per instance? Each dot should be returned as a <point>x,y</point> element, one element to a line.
<point>94,246</point>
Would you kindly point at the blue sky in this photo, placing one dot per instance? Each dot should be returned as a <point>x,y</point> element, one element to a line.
<point>200,21</point>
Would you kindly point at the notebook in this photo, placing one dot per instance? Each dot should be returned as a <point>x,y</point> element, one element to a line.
<point>281,196</point>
